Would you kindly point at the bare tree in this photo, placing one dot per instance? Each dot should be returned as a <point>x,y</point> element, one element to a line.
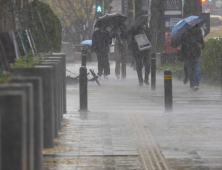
<point>75,14</point>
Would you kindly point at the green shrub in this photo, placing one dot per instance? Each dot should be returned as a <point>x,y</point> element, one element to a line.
<point>27,61</point>
<point>211,61</point>
<point>176,68</point>
<point>5,77</point>
<point>47,37</point>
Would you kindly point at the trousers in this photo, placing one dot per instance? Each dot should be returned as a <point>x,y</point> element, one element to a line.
<point>120,58</point>
<point>193,69</point>
<point>103,64</point>
<point>142,60</point>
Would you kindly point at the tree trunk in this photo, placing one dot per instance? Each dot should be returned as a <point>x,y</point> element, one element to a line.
<point>157,26</point>
<point>192,7</point>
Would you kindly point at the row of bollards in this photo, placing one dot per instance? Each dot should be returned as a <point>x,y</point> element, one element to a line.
<point>83,93</point>
<point>32,105</point>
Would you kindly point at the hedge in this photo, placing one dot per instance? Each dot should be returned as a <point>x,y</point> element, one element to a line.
<point>47,37</point>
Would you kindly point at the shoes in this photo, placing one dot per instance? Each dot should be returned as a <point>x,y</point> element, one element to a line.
<point>185,80</point>
<point>146,82</point>
<point>195,88</point>
<point>141,84</point>
<point>106,77</point>
<point>191,88</point>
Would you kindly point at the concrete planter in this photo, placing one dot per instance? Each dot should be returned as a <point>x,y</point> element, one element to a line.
<point>13,130</point>
<point>59,77</point>
<point>59,60</point>
<point>46,73</point>
<point>63,56</point>
<point>29,120</point>
<point>56,93</point>
<point>38,117</point>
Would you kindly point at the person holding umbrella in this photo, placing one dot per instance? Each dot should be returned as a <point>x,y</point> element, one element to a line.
<point>100,45</point>
<point>142,58</point>
<point>101,40</point>
<point>192,43</point>
<point>188,34</point>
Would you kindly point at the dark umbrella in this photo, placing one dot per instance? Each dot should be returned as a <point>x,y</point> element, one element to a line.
<point>135,24</point>
<point>177,36</point>
<point>109,20</point>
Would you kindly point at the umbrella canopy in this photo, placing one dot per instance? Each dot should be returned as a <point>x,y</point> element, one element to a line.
<point>183,22</point>
<point>109,20</point>
<point>86,42</point>
<point>178,33</point>
<point>135,24</point>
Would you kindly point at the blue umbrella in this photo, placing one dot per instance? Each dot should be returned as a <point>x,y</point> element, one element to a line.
<point>86,42</point>
<point>184,23</point>
<point>177,35</point>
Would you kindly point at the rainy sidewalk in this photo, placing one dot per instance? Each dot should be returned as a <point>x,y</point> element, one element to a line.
<point>126,127</point>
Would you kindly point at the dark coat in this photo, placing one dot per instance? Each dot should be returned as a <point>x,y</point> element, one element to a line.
<point>189,47</point>
<point>101,41</point>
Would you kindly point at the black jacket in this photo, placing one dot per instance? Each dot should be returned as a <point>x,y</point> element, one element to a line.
<point>101,41</point>
<point>189,41</point>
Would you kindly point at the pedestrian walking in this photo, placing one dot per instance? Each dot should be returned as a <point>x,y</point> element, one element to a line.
<point>142,58</point>
<point>119,36</point>
<point>186,78</point>
<point>192,42</point>
<point>100,45</point>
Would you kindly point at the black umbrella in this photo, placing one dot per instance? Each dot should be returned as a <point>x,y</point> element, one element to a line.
<point>135,24</point>
<point>110,20</point>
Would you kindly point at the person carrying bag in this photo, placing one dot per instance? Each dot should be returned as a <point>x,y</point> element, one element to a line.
<point>141,52</point>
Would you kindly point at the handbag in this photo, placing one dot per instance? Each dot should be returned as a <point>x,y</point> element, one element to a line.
<point>142,42</point>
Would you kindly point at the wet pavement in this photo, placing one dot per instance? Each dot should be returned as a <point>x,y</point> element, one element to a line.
<point>126,127</point>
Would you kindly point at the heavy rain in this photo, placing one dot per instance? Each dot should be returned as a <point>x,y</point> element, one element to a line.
<point>110,85</point>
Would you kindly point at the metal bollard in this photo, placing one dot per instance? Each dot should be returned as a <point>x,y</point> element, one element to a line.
<point>153,71</point>
<point>221,74</point>
<point>83,92</point>
<point>84,53</point>
<point>168,90</point>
